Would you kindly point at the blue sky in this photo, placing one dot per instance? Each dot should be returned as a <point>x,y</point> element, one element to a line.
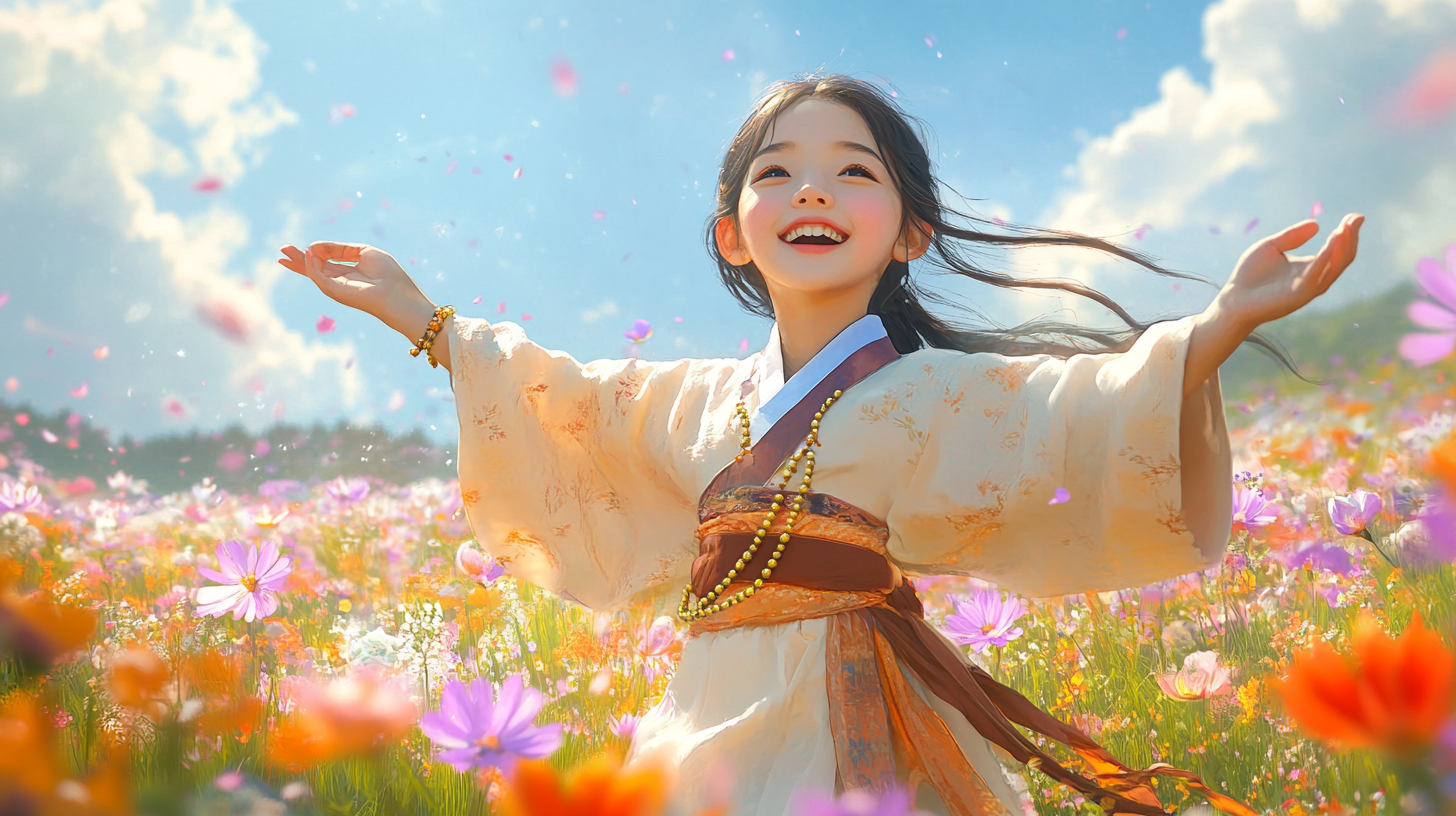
<point>1103,116</point>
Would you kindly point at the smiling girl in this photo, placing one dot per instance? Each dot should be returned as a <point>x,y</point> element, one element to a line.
<point>784,500</point>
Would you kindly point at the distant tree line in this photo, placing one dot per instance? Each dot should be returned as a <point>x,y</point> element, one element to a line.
<point>69,446</point>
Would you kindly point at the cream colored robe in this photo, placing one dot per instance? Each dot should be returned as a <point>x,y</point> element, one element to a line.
<point>584,478</point>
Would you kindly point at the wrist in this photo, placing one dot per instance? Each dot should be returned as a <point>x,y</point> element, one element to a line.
<point>412,320</point>
<point>1228,318</point>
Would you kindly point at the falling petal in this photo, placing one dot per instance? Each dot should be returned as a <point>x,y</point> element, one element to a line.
<point>563,77</point>
<point>1121,33</point>
<point>1314,211</point>
<point>501,308</point>
<point>516,174</point>
<point>225,317</point>
<point>477,300</point>
<point>4,298</point>
<point>449,171</point>
<point>624,89</point>
<point>48,436</point>
<point>508,157</point>
<point>1141,231</point>
<point>81,390</point>
<point>677,320</point>
<point>1249,227</point>
<point>1060,496</point>
<point>101,352</point>
<point>599,214</point>
<point>525,316</point>
<point>325,324</point>
<point>728,55</point>
<point>207,184</point>
<point>743,345</point>
<point>641,330</point>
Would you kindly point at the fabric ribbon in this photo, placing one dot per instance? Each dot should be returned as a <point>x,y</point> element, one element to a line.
<point>988,705</point>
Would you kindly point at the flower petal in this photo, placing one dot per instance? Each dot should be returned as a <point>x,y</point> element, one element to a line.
<point>1428,315</point>
<point>1439,283</point>
<point>1424,349</point>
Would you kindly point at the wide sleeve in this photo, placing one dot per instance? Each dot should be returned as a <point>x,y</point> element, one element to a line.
<point>572,475</point>
<point>1146,473</point>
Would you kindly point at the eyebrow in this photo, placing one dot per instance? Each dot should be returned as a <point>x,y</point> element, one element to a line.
<point>779,146</point>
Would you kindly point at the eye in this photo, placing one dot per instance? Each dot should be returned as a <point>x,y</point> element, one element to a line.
<point>764,173</point>
<point>859,167</point>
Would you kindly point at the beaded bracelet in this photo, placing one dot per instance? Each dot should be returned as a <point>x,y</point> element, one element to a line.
<point>431,330</point>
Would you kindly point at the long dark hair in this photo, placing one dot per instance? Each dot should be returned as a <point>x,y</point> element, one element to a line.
<point>898,300</point>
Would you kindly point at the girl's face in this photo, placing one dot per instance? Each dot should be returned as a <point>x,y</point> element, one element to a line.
<point>818,166</point>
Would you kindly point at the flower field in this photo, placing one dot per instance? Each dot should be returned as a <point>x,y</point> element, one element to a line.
<point>343,647</point>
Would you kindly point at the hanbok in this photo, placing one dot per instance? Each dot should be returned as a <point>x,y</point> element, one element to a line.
<point>616,482</point>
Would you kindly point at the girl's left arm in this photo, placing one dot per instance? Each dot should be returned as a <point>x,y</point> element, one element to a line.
<point>1266,285</point>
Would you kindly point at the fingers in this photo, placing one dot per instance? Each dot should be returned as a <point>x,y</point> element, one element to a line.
<point>1294,236</point>
<point>1345,243</point>
<point>335,251</point>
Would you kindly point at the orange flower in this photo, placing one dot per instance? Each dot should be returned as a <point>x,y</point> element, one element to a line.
<point>355,715</point>
<point>1393,698</point>
<point>598,788</point>
<point>137,676</point>
<point>36,630</point>
<point>1443,462</point>
<point>31,769</point>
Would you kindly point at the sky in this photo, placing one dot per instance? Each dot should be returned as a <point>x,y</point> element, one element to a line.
<point>552,164</point>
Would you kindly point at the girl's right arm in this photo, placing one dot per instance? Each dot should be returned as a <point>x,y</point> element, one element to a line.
<point>581,478</point>
<point>375,284</point>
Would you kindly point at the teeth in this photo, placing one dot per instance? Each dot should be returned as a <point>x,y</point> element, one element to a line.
<point>814,229</point>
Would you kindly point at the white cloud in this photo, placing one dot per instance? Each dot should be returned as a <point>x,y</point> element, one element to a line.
<point>606,309</point>
<point>105,113</point>
<point>1301,107</point>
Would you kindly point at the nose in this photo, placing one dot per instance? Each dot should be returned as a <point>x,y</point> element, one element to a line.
<point>810,196</point>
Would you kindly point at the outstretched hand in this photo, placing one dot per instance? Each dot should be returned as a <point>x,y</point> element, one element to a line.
<point>1267,284</point>
<point>376,284</point>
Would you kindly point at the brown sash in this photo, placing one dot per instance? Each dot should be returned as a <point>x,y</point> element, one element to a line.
<point>989,706</point>
<point>770,451</point>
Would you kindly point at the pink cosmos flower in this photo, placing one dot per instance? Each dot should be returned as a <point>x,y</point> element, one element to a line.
<point>1422,348</point>
<point>477,731</point>
<point>348,490</point>
<point>626,725</point>
<point>249,579</point>
<point>985,620</point>
<point>1251,510</point>
<point>1351,514</point>
<point>1201,677</point>
<point>18,497</point>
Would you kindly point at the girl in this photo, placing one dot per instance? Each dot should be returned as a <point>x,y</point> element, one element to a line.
<point>783,501</point>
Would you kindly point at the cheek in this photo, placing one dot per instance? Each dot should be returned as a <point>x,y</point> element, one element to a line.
<point>757,218</point>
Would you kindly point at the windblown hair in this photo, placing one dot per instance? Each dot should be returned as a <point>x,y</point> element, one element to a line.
<point>898,299</point>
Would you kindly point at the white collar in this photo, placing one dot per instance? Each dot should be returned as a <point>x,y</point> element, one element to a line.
<point>776,397</point>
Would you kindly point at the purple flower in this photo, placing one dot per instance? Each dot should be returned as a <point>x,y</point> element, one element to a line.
<point>249,578</point>
<point>348,490</point>
<point>1252,510</point>
<point>16,497</point>
<point>626,725</point>
<point>1352,514</point>
<point>1422,348</point>
<point>477,731</point>
<point>985,620</point>
<point>1319,556</point>
<point>895,802</point>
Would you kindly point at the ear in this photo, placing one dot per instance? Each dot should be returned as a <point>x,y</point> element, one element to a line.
<point>914,243</point>
<point>730,243</point>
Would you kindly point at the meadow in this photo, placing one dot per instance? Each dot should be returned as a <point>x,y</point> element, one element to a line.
<point>133,680</point>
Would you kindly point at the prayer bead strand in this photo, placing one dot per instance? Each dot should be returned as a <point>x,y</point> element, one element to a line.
<point>691,609</point>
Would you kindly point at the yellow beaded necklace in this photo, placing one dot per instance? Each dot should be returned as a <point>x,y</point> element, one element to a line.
<point>691,609</point>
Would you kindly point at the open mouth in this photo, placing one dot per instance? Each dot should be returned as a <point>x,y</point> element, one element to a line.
<point>810,234</point>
